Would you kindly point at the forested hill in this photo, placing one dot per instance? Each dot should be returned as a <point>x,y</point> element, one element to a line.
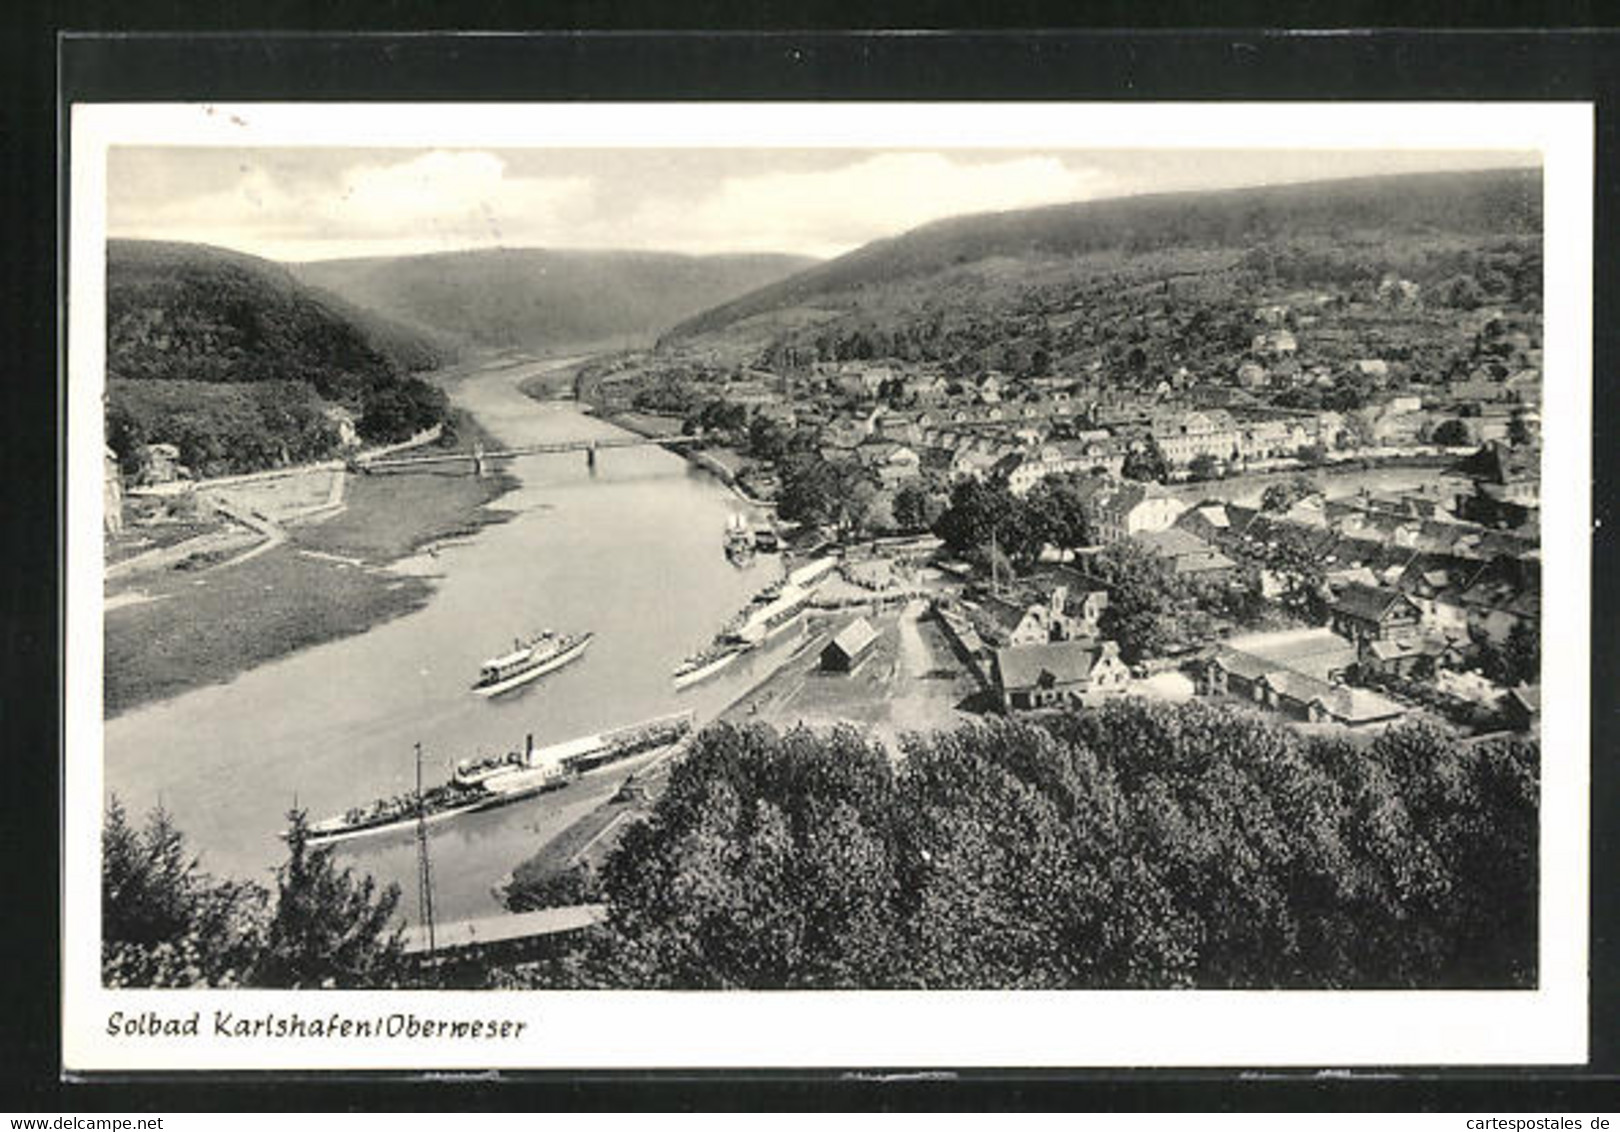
<point>199,313</point>
<point>1363,211</point>
<point>237,363</point>
<point>541,298</point>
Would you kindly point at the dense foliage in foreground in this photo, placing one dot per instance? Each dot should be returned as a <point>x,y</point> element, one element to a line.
<point>166,923</point>
<point>1143,845</point>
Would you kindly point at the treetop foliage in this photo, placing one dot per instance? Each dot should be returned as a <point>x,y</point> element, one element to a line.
<point>1140,845</point>
<point>166,923</point>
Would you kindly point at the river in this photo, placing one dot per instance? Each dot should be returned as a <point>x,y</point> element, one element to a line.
<point>631,551</point>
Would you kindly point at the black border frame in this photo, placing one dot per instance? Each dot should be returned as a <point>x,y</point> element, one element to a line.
<point>624,65</point>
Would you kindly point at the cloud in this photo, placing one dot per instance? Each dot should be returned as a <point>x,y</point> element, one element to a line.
<point>826,212</point>
<point>440,200</point>
<point>448,199</point>
<point>311,203</point>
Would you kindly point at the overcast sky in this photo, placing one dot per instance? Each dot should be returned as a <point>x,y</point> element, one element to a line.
<point>302,204</point>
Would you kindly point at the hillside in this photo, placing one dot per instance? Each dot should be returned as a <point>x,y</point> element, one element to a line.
<point>200,313</point>
<point>536,298</point>
<point>236,362</point>
<point>1034,260</point>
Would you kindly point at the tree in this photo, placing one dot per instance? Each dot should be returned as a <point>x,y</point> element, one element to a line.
<point>858,507</point>
<point>1462,291</point>
<point>810,490</point>
<point>1451,433</point>
<point>769,862</point>
<point>1140,844</point>
<point>1142,599</point>
<point>164,922</point>
<point>1059,512</point>
<point>1355,432</point>
<point>977,508</point>
<point>1146,464</point>
<point>1517,660</point>
<point>1298,574</point>
<point>329,929</point>
<point>768,439</point>
<point>917,506</point>
<point>1280,496</point>
<point>1311,455</point>
<point>1204,466</point>
<point>390,412</point>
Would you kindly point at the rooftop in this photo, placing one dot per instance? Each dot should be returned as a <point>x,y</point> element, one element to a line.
<point>855,638</point>
<point>1358,705</point>
<point>1314,652</point>
<point>499,929</point>
<point>1067,662</point>
<point>1367,602</point>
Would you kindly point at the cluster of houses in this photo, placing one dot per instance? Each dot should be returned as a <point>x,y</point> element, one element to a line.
<point>1409,589</point>
<point>1026,441</point>
<point>1461,582</point>
<point>1042,652</point>
<point>1300,674</point>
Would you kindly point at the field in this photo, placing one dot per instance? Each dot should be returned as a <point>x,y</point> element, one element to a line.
<point>391,515</point>
<point>173,630</point>
<point>209,626</point>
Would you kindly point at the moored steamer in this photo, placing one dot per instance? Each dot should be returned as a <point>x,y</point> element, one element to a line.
<point>709,662</point>
<point>488,783</point>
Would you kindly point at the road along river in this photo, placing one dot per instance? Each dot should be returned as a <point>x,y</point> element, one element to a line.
<point>631,551</point>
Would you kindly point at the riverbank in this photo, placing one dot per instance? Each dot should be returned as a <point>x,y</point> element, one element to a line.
<point>910,680</point>
<point>327,580</point>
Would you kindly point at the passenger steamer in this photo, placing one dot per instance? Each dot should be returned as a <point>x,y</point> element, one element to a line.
<point>739,540</point>
<point>491,782</point>
<point>529,660</point>
<point>775,609</point>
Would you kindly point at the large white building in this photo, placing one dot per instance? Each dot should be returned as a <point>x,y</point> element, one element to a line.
<point>1133,508</point>
<point>1186,435</point>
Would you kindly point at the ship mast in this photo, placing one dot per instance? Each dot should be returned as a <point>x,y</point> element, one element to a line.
<point>424,870</point>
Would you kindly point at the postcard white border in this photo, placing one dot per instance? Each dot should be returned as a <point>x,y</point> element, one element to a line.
<point>967,1029</point>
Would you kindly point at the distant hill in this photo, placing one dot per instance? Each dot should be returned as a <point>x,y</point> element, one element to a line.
<point>238,363</point>
<point>1033,246</point>
<point>537,298</point>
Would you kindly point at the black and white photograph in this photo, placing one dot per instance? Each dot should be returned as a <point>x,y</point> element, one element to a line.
<point>919,550</point>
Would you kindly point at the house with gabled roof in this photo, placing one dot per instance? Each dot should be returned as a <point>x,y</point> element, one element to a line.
<point>1506,592</point>
<point>1133,507</point>
<point>1298,673</point>
<point>1375,613</point>
<point>849,647</point>
<point>969,461</point>
<point>1507,485</point>
<point>1522,707</point>
<point>1059,673</point>
<point>1407,656</point>
<point>1186,555</point>
<point>1436,583</point>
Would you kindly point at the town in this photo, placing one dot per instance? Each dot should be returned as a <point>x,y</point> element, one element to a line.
<point>1092,536</point>
<point>1131,593</point>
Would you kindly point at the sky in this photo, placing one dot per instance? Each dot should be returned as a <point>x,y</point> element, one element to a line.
<point>298,204</point>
